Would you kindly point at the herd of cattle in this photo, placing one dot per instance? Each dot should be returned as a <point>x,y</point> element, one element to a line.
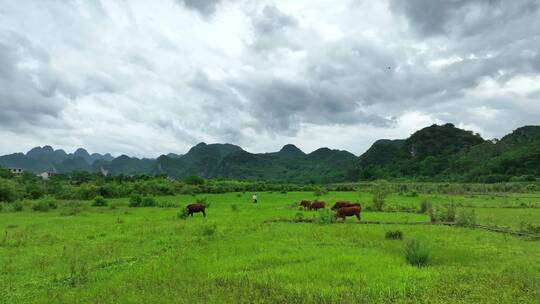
<point>343,209</point>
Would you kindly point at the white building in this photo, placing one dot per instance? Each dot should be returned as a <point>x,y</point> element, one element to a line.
<point>16,171</point>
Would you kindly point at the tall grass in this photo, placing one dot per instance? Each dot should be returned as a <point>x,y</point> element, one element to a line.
<point>416,254</point>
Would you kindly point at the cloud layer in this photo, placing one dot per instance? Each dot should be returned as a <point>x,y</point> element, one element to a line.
<point>147,78</point>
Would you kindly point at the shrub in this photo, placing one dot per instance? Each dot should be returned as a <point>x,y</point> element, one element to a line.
<point>298,217</point>
<point>394,235</point>
<point>416,254</point>
<point>18,207</point>
<point>320,191</point>
<point>183,214</point>
<point>44,204</point>
<point>326,216</point>
<point>9,191</point>
<point>379,191</point>
<point>135,200</point>
<point>209,229</point>
<point>412,194</point>
<point>529,228</point>
<point>194,180</point>
<point>425,207</point>
<point>99,201</point>
<point>466,218</point>
<point>449,213</point>
<point>148,201</point>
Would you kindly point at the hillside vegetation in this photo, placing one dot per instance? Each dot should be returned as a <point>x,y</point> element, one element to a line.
<point>434,153</point>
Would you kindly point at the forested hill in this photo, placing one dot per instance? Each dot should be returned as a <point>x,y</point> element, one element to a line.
<point>447,153</point>
<point>437,152</point>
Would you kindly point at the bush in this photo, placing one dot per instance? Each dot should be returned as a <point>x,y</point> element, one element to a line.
<point>412,194</point>
<point>529,228</point>
<point>194,180</point>
<point>425,207</point>
<point>299,217</point>
<point>379,191</point>
<point>148,201</point>
<point>18,207</point>
<point>466,218</point>
<point>44,204</point>
<point>9,191</point>
<point>183,214</point>
<point>394,235</point>
<point>416,254</point>
<point>209,229</point>
<point>99,201</point>
<point>449,213</point>
<point>326,216</point>
<point>320,191</point>
<point>135,200</point>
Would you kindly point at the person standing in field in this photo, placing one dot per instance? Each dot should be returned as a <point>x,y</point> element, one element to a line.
<point>254,197</point>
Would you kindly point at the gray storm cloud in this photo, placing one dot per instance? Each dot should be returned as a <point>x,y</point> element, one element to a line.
<point>143,79</point>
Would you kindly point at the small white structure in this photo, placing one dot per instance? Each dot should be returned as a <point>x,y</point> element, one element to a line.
<point>46,175</point>
<point>16,171</point>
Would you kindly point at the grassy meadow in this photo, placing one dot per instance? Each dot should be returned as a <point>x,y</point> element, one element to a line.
<point>78,253</point>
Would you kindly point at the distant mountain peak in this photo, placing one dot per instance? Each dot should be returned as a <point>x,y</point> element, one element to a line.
<point>81,151</point>
<point>290,150</point>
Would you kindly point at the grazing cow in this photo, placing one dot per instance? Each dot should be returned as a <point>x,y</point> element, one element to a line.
<point>349,211</point>
<point>316,205</point>
<point>342,204</point>
<point>195,208</point>
<point>305,204</point>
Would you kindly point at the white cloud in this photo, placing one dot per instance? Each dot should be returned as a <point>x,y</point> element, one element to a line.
<point>143,79</point>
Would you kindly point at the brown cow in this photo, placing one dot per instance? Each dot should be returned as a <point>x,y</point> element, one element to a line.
<point>349,211</point>
<point>316,205</point>
<point>305,204</point>
<point>342,204</point>
<point>195,208</point>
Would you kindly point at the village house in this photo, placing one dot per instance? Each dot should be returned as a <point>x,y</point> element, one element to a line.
<point>46,175</point>
<point>16,171</point>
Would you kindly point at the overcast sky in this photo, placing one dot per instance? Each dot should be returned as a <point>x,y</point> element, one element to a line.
<point>149,77</point>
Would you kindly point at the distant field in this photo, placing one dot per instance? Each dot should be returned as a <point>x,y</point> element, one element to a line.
<point>87,254</point>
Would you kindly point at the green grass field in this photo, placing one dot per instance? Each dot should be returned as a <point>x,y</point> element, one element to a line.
<point>87,254</point>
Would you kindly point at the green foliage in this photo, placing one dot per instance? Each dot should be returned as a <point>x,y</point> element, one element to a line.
<point>194,180</point>
<point>209,229</point>
<point>35,190</point>
<point>99,201</point>
<point>380,191</point>
<point>10,191</point>
<point>18,206</point>
<point>148,201</point>
<point>320,191</point>
<point>182,214</point>
<point>529,227</point>
<point>45,204</point>
<point>416,254</point>
<point>298,217</point>
<point>466,218</point>
<point>394,235</point>
<point>446,153</point>
<point>326,216</point>
<point>135,200</point>
<point>4,173</point>
<point>425,207</point>
<point>235,208</point>
<point>448,214</point>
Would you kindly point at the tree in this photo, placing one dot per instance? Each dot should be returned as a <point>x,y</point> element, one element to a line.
<point>380,191</point>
